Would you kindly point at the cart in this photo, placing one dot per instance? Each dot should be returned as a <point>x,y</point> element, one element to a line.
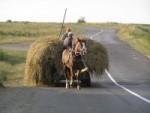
<point>84,78</point>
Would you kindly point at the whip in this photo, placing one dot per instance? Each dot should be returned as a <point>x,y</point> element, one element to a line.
<point>63,23</point>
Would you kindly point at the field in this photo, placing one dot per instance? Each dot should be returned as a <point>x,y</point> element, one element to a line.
<point>12,62</point>
<point>21,32</point>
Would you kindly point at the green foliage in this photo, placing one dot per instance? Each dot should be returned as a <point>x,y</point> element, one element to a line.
<point>139,31</point>
<point>3,76</point>
<point>12,67</point>
<point>3,55</point>
<point>9,21</point>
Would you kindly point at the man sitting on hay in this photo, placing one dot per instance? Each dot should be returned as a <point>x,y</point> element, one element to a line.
<point>68,39</point>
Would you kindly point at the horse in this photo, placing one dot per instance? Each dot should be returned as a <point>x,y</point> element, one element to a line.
<point>72,61</point>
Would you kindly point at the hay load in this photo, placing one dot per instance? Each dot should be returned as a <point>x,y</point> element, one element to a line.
<point>44,61</point>
<point>97,58</point>
<point>44,56</point>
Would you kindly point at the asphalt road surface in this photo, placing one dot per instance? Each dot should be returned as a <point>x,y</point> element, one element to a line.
<point>128,67</point>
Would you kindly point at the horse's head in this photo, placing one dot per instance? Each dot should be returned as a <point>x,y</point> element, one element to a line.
<point>80,46</point>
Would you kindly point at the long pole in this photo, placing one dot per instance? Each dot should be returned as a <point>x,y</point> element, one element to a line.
<point>63,22</point>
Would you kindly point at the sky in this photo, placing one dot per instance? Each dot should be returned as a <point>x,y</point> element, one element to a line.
<point>121,11</point>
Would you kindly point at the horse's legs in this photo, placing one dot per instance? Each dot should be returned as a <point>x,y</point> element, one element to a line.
<point>71,77</point>
<point>66,83</point>
<point>78,83</point>
<point>66,78</point>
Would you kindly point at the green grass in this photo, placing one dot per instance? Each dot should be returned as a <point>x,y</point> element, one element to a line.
<point>12,67</point>
<point>16,32</point>
<point>3,55</point>
<point>20,32</point>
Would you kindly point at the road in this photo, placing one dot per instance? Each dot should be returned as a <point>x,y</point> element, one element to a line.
<point>19,47</point>
<point>127,66</point>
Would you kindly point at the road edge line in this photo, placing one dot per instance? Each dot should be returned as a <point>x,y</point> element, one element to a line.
<point>91,37</point>
<point>126,89</point>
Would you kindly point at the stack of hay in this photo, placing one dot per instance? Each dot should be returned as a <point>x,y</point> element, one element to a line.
<point>44,59</point>
<point>97,58</point>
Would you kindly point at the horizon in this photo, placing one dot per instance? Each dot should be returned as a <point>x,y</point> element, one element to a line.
<point>71,22</point>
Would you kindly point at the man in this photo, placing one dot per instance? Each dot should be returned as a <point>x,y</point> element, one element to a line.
<point>67,38</point>
<point>66,34</point>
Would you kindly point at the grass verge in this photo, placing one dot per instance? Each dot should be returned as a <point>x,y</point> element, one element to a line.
<point>12,67</point>
<point>138,36</point>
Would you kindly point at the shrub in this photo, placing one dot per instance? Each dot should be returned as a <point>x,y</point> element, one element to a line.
<point>3,55</point>
<point>81,20</point>
<point>9,21</point>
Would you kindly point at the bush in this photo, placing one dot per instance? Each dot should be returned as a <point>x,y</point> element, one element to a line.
<point>3,55</point>
<point>9,21</point>
<point>3,76</point>
<point>81,20</point>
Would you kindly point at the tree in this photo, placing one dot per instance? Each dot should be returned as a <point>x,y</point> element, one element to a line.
<point>9,21</point>
<point>81,20</point>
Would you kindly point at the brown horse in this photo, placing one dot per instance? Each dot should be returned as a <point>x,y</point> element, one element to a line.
<point>72,60</point>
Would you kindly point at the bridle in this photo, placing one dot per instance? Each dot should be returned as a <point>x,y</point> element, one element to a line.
<point>82,51</point>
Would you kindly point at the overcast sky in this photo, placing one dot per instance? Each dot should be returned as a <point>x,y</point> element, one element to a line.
<point>122,11</point>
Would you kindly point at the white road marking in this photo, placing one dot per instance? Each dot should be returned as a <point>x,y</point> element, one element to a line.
<point>115,82</point>
<point>126,89</point>
<point>91,37</point>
